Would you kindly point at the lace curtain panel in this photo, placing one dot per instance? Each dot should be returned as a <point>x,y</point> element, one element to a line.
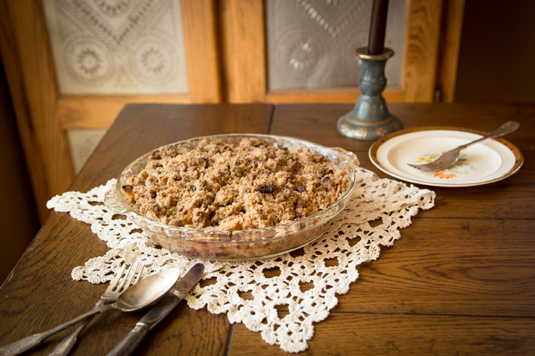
<point>117,46</point>
<point>312,43</point>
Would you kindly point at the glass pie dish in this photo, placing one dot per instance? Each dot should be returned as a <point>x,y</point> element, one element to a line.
<point>235,245</point>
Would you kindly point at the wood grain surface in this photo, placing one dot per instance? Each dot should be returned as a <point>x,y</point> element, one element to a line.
<point>460,281</point>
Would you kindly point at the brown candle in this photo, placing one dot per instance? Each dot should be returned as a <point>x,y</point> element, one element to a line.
<point>376,40</point>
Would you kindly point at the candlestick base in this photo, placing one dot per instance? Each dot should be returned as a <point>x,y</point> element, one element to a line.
<point>370,118</point>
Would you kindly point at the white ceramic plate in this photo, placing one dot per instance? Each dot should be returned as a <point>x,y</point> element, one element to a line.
<point>486,162</point>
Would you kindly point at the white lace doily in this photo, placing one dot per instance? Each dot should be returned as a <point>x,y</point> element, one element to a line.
<point>244,290</point>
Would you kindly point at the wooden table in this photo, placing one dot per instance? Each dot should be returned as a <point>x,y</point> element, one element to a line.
<point>461,280</point>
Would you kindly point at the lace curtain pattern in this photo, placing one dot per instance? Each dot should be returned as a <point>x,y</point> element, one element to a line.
<point>312,43</point>
<point>117,46</point>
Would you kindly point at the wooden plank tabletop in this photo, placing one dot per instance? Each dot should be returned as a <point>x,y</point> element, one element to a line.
<point>461,280</point>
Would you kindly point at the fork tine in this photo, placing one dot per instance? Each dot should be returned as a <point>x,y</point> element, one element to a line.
<point>122,285</point>
<point>132,275</point>
<point>138,271</point>
<point>118,276</point>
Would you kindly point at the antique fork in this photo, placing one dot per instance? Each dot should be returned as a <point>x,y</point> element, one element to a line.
<point>449,158</point>
<point>118,286</point>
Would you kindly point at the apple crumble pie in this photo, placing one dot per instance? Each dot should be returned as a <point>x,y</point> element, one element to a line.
<point>225,186</point>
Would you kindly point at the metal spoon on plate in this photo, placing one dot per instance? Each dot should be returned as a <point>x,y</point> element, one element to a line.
<point>144,293</point>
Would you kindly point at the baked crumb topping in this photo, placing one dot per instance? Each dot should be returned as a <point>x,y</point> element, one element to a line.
<point>224,186</point>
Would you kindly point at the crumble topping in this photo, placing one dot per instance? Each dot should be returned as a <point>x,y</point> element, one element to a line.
<point>224,186</point>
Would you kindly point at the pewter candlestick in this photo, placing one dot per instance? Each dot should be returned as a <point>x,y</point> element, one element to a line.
<point>370,118</point>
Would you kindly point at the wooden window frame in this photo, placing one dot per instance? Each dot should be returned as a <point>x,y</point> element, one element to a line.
<point>43,114</point>
<point>226,62</point>
<point>431,44</point>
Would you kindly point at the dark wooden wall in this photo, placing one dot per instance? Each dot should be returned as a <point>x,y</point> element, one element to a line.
<point>18,217</point>
<point>496,60</point>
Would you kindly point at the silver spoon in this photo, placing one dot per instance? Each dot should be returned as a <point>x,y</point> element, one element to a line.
<point>452,156</point>
<point>144,293</point>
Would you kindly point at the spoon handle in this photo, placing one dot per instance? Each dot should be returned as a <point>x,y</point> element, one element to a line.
<point>66,345</point>
<point>30,342</point>
<point>506,128</point>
